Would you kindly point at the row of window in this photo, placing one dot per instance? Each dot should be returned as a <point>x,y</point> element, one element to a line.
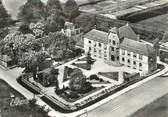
<point>113,42</point>
<point>99,45</point>
<point>99,51</point>
<point>134,62</point>
<point>134,54</point>
<point>105,56</point>
<point>135,68</point>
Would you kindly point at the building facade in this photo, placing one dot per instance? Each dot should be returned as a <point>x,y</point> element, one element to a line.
<point>121,46</point>
<point>98,45</point>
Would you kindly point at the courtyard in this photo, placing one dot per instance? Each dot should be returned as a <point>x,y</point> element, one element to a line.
<point>100,82</point>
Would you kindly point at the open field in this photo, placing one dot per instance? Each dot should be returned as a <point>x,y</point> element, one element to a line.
<point>160,22</point>
<point>110,6</point>
<point>17,111</point>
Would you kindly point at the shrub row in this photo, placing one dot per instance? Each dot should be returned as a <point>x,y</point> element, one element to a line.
<point>19,80</point>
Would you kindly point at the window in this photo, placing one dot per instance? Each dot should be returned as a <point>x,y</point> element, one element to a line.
<point>123,52</point>
<point>123,59</point>
<point>128,61</point>
<point>112,48</point>
<point>134,63</point>
<point>105,55</point>
<point>140,57</point>
<point>90,48</point>
<point>140,64</point>
<point>112,58</point>
<point>128,53</point>
<point>90,42</point>
<point>117,57</point>
<point>134,55</point>
<point>114,42</point>
<point>100,44</point>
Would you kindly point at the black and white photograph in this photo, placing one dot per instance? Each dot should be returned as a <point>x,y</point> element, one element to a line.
<point>83,58</point>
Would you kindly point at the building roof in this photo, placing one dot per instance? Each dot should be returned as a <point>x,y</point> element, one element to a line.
<point>97,35</point>
<point>126,32</point>
<point>137,47</point>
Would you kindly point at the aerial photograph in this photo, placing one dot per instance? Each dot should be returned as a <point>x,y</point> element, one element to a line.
<point>83,58</point>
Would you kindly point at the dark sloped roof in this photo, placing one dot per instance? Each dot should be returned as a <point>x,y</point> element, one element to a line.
<point>97,35</point>
<point>127,32</point>
<point>137,47</point>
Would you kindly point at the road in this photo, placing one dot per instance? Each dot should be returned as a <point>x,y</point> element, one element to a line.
<point>158,108</point>
<point>128,103</point>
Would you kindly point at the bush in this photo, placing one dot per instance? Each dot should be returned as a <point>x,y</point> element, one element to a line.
<point>101,80</point>
<point>72,95</point>
<point>86,88</point>
<point>94,76</point>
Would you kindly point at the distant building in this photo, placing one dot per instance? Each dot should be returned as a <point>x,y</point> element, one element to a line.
<point>163,52</point>
<point>70,29</point>
<point>121,46</point>
<point>6,61</point>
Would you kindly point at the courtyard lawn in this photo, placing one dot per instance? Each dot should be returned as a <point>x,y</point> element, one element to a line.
<point>82,65</point>
<point>6,91</point>
<point>111,75</point>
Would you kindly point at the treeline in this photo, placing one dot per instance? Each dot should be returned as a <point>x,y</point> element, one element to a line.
<point>89,21</point>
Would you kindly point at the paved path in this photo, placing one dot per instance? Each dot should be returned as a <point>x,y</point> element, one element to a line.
<point>130,102</point>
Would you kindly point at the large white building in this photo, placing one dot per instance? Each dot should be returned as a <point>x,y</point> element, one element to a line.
<point>121,46</point>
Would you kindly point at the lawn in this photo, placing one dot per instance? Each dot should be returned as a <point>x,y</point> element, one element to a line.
<point>19,111</point>
<point>111,75</point>
<point>82,65</point>
<point>158,108</point>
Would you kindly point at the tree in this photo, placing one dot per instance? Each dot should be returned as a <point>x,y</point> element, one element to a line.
<point>24,28</point>
<point>5,18</point>
<point>77,80</point>
<point>32,10</point>
<point>54,7</point>
<point>59,44</point>
<point>85,21</point>
<point>71,9</point>
<point>3,33</point>
<point>54,23</point>
<point>53,76</point>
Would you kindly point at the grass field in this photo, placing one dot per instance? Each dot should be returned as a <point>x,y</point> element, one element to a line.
<point>158,108</point>
<point>160,22</point>
<point>20,111</point>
